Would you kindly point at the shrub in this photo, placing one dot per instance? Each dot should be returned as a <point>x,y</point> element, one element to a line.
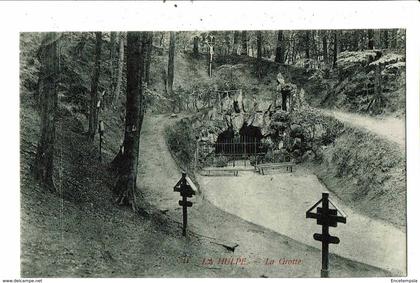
<point>276,156</point>
<point>220,161</point>
<point>367,171</point>
<point>317,129</point>
<point>259,159</point>
<point>181,142</point>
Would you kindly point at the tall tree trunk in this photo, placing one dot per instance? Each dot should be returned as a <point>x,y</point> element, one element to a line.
<point>112,48</point>
<point>196,53</point>
<point>244,50</point>
<point>293,57</point>
<point>127,167</point>
<point>162,34</point>
<point>259,54</point>
<point>386,39</point>
<point>49,76</point>
<point>117,91</point>
<point>335,49</point>
<point>235,43</point>
<point>280,48</point>
<point>148,56</point>
<point>315,52</point>
<point>340,41</point>
<point>170,80</point>
<point>362,38</point>
<point>227,43</point>
<point>307,43</point>
<point>394,39</point>
<point>371,40</point>
<point>325,47</point>
<point>93,114</point>
<point>356,38</point>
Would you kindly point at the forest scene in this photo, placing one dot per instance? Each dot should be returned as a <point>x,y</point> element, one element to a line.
<point>257,124</point>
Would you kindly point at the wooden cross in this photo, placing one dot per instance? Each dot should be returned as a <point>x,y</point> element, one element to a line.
<point>327,218</point>
<point>184,188</point>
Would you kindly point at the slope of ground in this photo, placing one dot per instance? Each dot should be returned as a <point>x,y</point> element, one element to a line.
<point>368,173</point>
<point>80,232</point>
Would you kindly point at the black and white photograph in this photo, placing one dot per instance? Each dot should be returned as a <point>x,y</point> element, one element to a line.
<point>214,153</point>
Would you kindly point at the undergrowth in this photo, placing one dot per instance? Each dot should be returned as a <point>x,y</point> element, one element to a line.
<point>367,172</point>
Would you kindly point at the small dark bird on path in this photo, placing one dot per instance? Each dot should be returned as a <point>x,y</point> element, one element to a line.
<point>231,249</point>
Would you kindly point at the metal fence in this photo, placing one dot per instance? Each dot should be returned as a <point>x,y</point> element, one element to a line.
<point>234,149</point>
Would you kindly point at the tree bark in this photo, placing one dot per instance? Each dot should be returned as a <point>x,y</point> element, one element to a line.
<point>314,45</point>
<point>48,78</point>
<point>371,41</point>
<point>93,113</point>
<point>356,38</point>
<point>162,34</point>
<point>171,62</point>
<point>112,42</point>
<point>335,49</point>
<point>280,48</point>
<point>117,91</point>
<point>307,43</point>
<point>244,49</point>
<point>394,39</point>
<point>259,54</point>
<point>386,39</point>
<point>127,167</point>
<point>293,56</point>
<point>148,56</point>
<point>340,41</point>
<point>196,53</point>
<point>362,39</point>
<point>325,47</point>
<point>235,43</point>
<point>227,43</point>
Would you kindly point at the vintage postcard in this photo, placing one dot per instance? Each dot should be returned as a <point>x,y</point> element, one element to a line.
<point>213,152</point>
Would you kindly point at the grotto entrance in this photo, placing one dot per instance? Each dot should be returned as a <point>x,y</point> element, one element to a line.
<point>242,145</point>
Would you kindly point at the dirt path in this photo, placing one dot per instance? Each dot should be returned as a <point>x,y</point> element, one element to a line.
<point>279,202</point>
<point>157,176</point>
<point>81,232</point>
<point>392,129</point>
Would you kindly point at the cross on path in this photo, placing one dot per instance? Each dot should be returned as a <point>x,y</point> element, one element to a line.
<point>185,189</point>
<point>326,217</point>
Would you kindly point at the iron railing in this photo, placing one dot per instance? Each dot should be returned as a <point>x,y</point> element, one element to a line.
<point>234,149</point>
